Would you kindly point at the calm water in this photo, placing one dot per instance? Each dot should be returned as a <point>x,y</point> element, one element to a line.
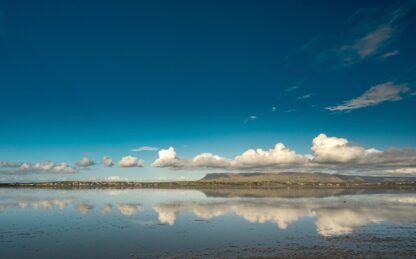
<point>191,223</point>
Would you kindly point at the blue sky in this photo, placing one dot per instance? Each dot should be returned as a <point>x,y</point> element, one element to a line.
<point>98,78</point>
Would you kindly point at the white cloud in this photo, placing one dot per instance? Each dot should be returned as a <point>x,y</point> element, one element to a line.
<point>108,161</point>
<point>292,88</point>
<point>43,167</point>
<point>130,161</point>
<point>210,160</point>
<point>371,42</point>
<point>375,95</point>
<point>250,118</point>
<point>402,170</point>
<point>337,150</point>
<point>144,148</point>
<point>85,162</point>
<point>168,158</point>
<point>328,154</point>
<point>257,158</point>
<point>9,164</point>
<point>116,178</point>
<point>63,167</point>
<point>252,158</point>
<point>389,54</point>
<point>366,39</point>
<point>290,110</point>
<point>346,155</point>
<point>306,96</point>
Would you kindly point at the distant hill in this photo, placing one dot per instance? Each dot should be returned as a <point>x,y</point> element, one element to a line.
<point>295,178</point>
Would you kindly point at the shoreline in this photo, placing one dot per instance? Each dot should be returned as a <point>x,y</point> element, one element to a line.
<point>208,185</point>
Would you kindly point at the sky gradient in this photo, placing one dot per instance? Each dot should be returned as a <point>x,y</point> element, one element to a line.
<point>88,79</point>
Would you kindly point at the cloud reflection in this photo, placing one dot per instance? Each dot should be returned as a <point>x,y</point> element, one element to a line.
<point>331,216</point>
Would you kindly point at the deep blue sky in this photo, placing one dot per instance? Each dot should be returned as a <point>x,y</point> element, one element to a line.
<point>102,77</point>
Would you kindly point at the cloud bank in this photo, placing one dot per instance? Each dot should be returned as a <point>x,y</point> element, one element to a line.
<point>327,154</point>
<point>43,167</point>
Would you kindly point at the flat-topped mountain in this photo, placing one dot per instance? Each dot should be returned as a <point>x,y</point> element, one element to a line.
<point>305,178</point>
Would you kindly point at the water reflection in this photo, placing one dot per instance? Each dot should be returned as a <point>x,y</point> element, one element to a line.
<point>335,216</point>
<point>331,215</point>
<point>128,209</point>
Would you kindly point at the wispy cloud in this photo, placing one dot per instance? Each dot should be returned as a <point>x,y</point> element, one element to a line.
<point>144,148</point>
<point>292,88</point>
<point>366,39</point>
<point>306,96</point>
<point>389,54</point>
<point>375,95</point>
<point>250,118</point>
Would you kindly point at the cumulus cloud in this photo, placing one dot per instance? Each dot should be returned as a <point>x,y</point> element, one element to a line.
<point>280,155</point>
<point>144,148</point>
<point>377,94</point>
<point>328,154</point>
<point>130,161</point>
<point>257,158</point>
<point>85,162</point>
<point>108,161</point>
<point>168,158</point>
<point>43,167</point>
<point>210,160</point>
<point>337,150</point>
<point>348,156</point>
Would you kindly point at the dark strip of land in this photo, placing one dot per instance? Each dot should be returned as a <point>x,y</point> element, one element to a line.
<point>242,180</point>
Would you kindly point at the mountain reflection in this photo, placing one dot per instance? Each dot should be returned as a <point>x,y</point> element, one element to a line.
<point>331,216</point>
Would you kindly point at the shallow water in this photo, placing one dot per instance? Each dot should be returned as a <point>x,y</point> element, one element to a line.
<point>215,223</point>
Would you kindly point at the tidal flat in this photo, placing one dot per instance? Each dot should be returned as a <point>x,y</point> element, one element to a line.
<point>213,223</point>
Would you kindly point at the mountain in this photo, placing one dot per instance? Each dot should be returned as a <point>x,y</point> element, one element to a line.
<point>297,178</point>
